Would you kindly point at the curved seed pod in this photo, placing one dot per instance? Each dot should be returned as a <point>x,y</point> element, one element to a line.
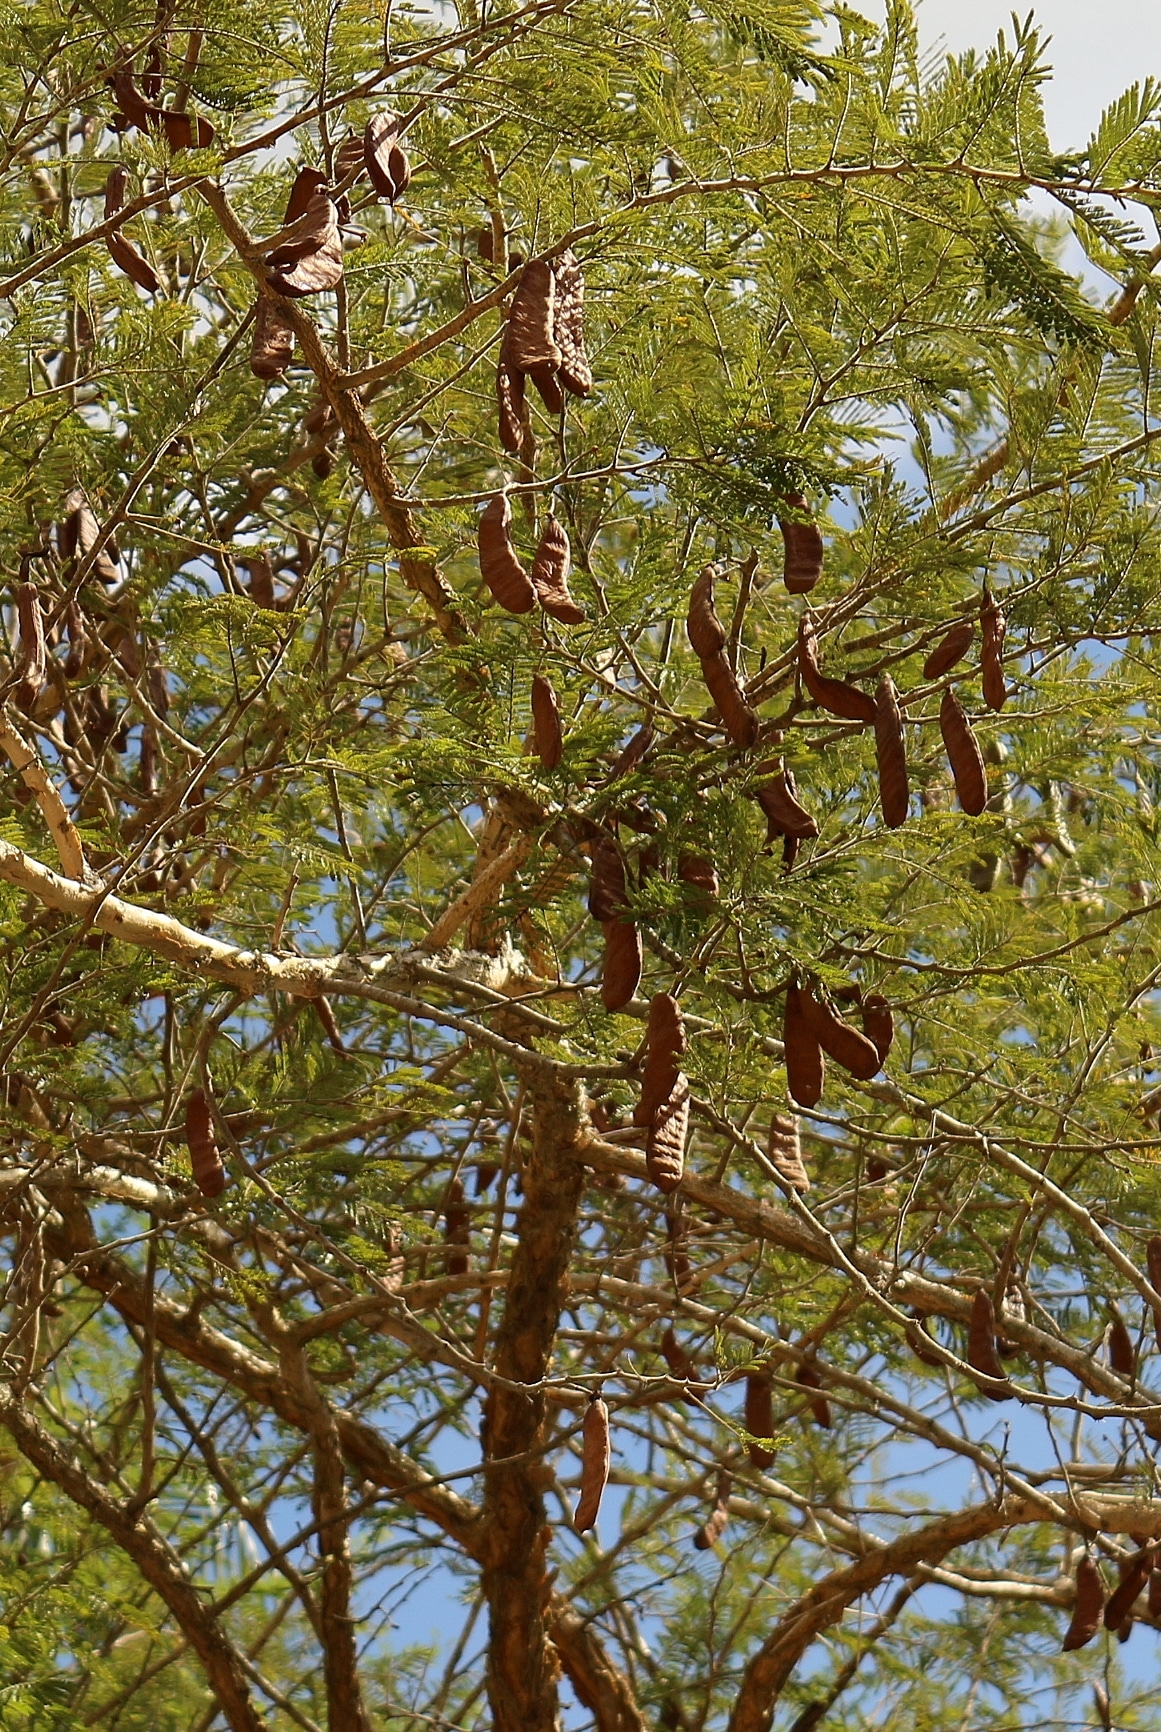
<point>350,158</point>
<point>878,1024</point>
<point>784,1147</point>
<point>30,656</point>
<point>665,1140</point>
<point>838,1039</point>
<point>819,1406</point>
<point>759,1416</point>
<point>1086,1611</point>
<point>841,699</point>
<point>949,650</point>
<point>607,897</point>
<point>272,345</point>
<point>707,634</point>
<point>208,1171</point>
<point>528,339</point>
<point>330,1027</point>
<point>1153,1266</point>
<point>677,1360</point>
<point>1122,1353</point>
<point>569,324</point>
<point>715,1527</point>
<point>547,384</point>
<point>622,971</point>
<point>802,563</point>
<point>323,464</point>
<point>80,645</point>
<point>698,872</point>
<point>1134,1575</point>
<point>917,1334</point>
<point>261,574</point>
<point>805,1066</point>
<point>313,260</point>
<point>632,752</point>
<point>549,575</point>
<point>546,729</point>
<point>500,569</point>
<point>739,720</point>
<point>994,625</point>
<point>981,1353</point>
<point>596,1456</point>
<point>129,259</point>
<point>963,754</point>
<point>894,793</point>
<point>666,1042</point>
<point>784,815</point>
<point>510,403</point>
<point>456,1229</point>
<point>386,161</point>
<point>79,534</point>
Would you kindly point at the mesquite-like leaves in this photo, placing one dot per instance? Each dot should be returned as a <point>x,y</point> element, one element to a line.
<point>784,1147</point>
<point>805,1065</point>
<point>30,659</point>
<point>1122,1353</point>
<point>665,1139</point>
<point>715,1527</point>
<point>386,161</point>
<point>759,1416</point>
<point>500,569</point>
<point>621,975</point>
<point>665,1044</point>
<point>272,345</point>
<point>808,1378</point>
<point>596,1456</point>
<point>841,699</point>
<point>549,575</point>
<point>124,254</point>
<point>739,720</point>
<point>1087,1608</point>
<point>707,634</point>
<point>208,1170</point>
<point>547,734</point>
<point>949,650</point>
<point>802,561</point>
<point>1134,1575</point>
<point>878,1024</point>
<point>838,1039</point>
<point>993,625</point>
<point>456,1229</point>
<point>894,792</point>
<point>981,1354</point>
<point>963,754</point>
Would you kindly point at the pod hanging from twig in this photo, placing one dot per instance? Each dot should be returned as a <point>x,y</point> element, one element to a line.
<point>665,1043</point>
<point>549,575</point>
<point>949,650</point>
<point>1122,1353</point>
<point>607,893</point>
<point>712,1530</point>
<point>982,1355</point>
<point>568,324</point>
<point>838,1039</point>
<point>963,754</point>
<point>707,634</point>
<point>208,1171</point>
<point>808,1378</point>
<point>784,1149</point>
<point>778,798</point>
<point>272,345</point>
<point>837,696</point>
<point>677,1360</point>
<point>30,657</point>
<point>1087,1608</point>
<point>457,1218</point>
<point>805,1065</point>
<point>596,1456</point>
<point>994,626</point>
<point>384,158</point>
<point>547,733</point>
<point>500,569</point>
<point>759,1417</point>
<point>894,792</point>
<point>878,1024</point>
<point>1153,1267</point>
<point>1134,1575</point>
<point>738,719</point>
<point>666,1137</point>
<point>802,561</point>
<point>623,962</point>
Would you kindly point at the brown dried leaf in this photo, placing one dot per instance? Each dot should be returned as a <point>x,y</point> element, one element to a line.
<point>665,1139</point>
<point>963,754</point>
<point>503,573</point>
<point>546,729</point>
<point>894,792</point>
<point>549,575</point>
<point>784,1147</point>
<point>596,1457</point>
<point>949,650</point>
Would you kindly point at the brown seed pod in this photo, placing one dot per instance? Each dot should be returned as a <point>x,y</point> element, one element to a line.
<point>607,895</point>
<point>949,650</point>
<point>738,719</point>
<point>707,634</point>
<point>623,960</point>
<point>548,386</point>
<point>665,1044</point>
<point>698,872</point>
<point>981,1353</point>
<point>510,404</point>
<point>272,345</point>
<point>778,799</point>
<point>841,699</point>
<point>802,563</point>
<point>208,1171</point>
<point>665,1139</point>
<point>808,1378</point>
<point>457,1221</point>
<point>838,1039</point>
<point>546,729</point>
<point>1155,1594</point>
<point>963,754</point>
<point>1134,1575</point>
<point>632,752</point>
<point>503,573</point>
<point>386,161</point>
<point>528,338</point>
<point>350,158</point>
<point>124,254</point>
<point>1086,1611</point>
<point>80,645</point>
<point>79,534</point>
<point>759,1414</point>
<point>596,1456</point>
<point>1153,1267</point>
<point>549,575</point>
<point>917,1334</point>
<point>312,259</point>
<point>568,327</point>
<point>323,464</point>
<point>1122,1353</point>
<point>677,1360</point>
<point>993,625</point>
<point>784,1148</point>
<point>30,662</point>
<point>878,1024</point>
<point>805,1065</point>
<point>326,1016</point>
<point>715,1527</point>
<point>894,793</point>
<point>182,131</point>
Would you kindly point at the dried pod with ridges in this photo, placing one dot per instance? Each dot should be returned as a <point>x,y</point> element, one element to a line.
<point>759,1413</point>
<point>457,1220</point>
<point>707,634</point>
<point>1087,1607</point>
<point>510,405</point>
<point>30,660</point>
<point>80,644</point>
<point>894,792</point>
<point>132,262</point>
<point>805,1065</point>
<point>632,752</point>
<point>79,534</point>
<point>665,1138</point>
<point>878,1024</point>
<point>739,720</point>
<point>993,625</point>
<point>838,1039</point>
<point>272,345</point>
<point>981,1353</point>
<point>808,1378</point>
<point>963,754</point>
<point>549,575</point>
<point>950,649</point>
<point>784,1149</point>
<point>607,894</point>
<point>351,157</point>
<point>621,975</point>
<point>1122,1353</point>
<point>568,326</point>
<point>547,733</point>
<point>500,569</point>
<point>665,1044</point>
<point>1134,1575</point>
<point>698,872</point>
<point>386,161</point>
<point>596,1456</point>
<point>802,561</point>
<point>208,1170</point>
<point>778,800</point>
<point>312,260</point>
<point>528,337</point>
<point>837,696</point>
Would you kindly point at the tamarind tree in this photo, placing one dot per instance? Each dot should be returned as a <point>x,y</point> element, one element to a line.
<point>578,873</point>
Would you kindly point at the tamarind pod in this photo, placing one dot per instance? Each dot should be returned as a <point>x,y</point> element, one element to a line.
<point>607,897</point>
<point>712,1530</point>
<point>547,735</point>
<point>568,325</point>
<point>841,699</point>
<point>79,644</point>
<point>632,752</point>
<point>549,575</point>
<point>981,1353</point>
<point>622,971</point>
<point>132,262</point>
<point>665,1139</point>
<point>950,649</point>
<point>1122,1353</point>
<point>698,872</point>
<point>528,336</point>
<point>30,659</point>
<point>386,161</point>
<point>548,386</point>
<point>808,1378</point>
<point>878,1024</point>
<point>208,1171</point>
<point>1155,1594</point>
<point>666,1042</point>
<point>784,815</point>
<point>759,1414</point>
<point>738,719</point>
<point>510,403</point>
<point>805,1065</point>
<point>993,625</point>
<point>1153,1266</point>
<point>500,569</point>
<point>917,1333</point>
<point>838,1039</point>
<point>326,1016</point>
<point>784,1148</point>
<point>677,1360</point>
<point>596,1456</point>
<point>963,754</point>
<point>1134,1575</point>
<point>803,551</point>
<point>707,634</point>
<point>456,1229</point>
<point>272,345</point>
<point>894,793</point>
<point>79,534</point>
<point>1087,1607</point>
